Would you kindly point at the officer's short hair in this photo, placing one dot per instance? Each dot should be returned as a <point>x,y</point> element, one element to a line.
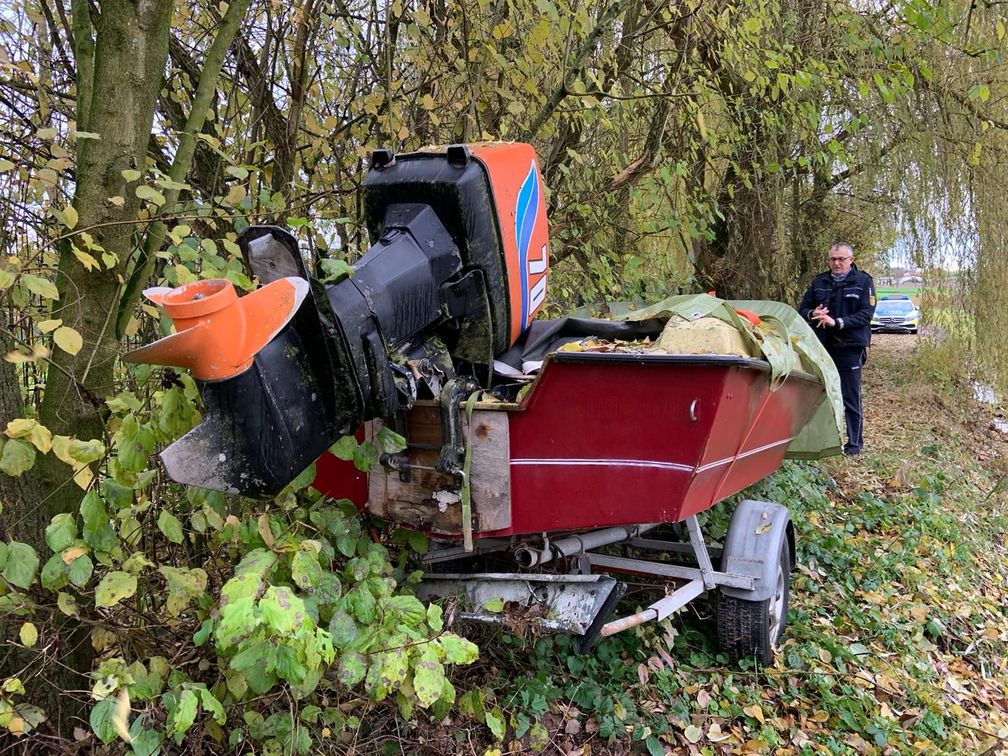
<point>842,245</point>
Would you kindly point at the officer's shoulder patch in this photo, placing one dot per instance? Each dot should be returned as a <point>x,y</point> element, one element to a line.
<point>871,299</point>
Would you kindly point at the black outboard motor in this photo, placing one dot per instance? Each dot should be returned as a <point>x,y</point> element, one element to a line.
<point>457,270</point>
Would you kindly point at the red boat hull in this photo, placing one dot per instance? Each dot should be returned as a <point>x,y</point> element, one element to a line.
<point>605,439</point>
<point>610,442</point>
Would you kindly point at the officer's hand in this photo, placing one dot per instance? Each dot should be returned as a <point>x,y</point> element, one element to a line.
<point>822,317</point>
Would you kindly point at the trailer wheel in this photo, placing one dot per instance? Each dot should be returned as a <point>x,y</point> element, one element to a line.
<point>747,628</point>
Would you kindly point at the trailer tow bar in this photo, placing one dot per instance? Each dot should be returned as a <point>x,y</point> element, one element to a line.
<point>700,579</point>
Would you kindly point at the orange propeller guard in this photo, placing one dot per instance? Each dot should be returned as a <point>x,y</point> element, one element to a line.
<point>217,333</point>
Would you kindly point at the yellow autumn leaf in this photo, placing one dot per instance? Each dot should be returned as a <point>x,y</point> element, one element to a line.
<point>235,195</point>
<point>72,553</point>
<point>120,716</point>
<point>70,216</point>
<point>86,260</point>
<point>32,430</point>
<point>68,339</point>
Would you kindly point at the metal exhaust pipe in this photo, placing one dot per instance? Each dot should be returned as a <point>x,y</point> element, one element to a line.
<point>573,545</point>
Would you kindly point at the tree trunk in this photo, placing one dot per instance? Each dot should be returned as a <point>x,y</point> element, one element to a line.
<point>130,54</point>
<point>129,58</point>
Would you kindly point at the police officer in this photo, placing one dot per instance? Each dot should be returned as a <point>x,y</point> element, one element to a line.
<point>839,304</point>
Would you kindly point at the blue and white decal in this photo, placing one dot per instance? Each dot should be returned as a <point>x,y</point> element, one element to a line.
<point>533,282</point>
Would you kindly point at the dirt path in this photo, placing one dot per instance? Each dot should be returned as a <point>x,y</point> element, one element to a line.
<point>886,414</point>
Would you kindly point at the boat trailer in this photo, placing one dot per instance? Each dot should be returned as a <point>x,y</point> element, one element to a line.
<point>755,560</point>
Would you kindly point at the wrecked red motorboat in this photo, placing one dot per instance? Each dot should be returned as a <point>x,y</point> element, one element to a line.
<point>542,466</point>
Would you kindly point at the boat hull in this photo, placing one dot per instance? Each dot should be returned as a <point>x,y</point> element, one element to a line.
<point>601,439</point>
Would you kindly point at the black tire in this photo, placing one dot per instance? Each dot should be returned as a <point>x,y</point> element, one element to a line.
<point>754,628</point>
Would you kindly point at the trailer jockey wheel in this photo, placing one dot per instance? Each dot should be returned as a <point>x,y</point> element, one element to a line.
<point>747,628</point>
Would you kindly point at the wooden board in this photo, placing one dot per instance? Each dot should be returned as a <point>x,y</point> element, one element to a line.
<point>431,500</point>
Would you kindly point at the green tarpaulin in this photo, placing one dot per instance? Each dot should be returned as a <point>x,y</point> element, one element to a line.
<point>784,340</point>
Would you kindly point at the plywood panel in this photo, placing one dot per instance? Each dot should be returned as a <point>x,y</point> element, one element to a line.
<point>431,500</point>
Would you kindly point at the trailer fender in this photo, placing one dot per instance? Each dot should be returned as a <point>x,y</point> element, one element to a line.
<point>757,531</point>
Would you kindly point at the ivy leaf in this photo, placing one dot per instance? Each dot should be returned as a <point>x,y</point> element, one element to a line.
<point>17,458</point>
<point>28,634</point>
<point>67,339</point>
<point>22,564</point>
<point>115,587</point>
<point>171,527</point>
<point>61,531</point>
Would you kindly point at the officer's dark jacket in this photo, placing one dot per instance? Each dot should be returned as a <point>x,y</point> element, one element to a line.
<point>853,299</point>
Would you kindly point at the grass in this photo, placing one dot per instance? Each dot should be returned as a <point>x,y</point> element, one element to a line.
<point>911,291</point>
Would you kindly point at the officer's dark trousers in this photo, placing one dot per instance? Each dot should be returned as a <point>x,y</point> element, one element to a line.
<point>848,363</point>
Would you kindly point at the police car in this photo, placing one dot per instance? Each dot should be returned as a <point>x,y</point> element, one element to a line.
<point>895,313</point>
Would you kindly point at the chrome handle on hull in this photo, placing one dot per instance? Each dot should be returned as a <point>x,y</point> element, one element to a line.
<point>692,410</point>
